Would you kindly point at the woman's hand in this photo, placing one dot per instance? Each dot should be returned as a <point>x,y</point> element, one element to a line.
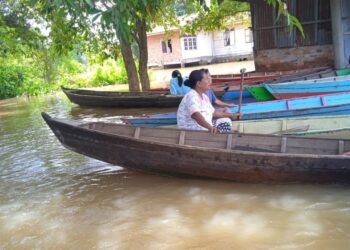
<point>202,122</point>
<point>230,105</point>
<point>238,116</point>
<point>213,130</point>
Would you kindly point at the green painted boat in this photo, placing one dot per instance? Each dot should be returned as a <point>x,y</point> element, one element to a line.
<point>293,126</point>
<point>343,72</point>
<point>260,93</point>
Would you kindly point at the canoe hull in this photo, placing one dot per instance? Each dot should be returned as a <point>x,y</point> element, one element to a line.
<point>281,96</point>
<point>117,99</point>
<point>260,93</point>
<point>314,124</point>
<point>305,89</point>
<point>170,118</point>
<point>230,165</point>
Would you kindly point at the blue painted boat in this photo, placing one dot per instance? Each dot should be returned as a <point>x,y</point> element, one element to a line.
<point>331,104</point>
<point>301,89</point>
<point>234,95</point>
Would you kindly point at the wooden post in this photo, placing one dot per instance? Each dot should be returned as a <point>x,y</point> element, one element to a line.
<point>241,90</point>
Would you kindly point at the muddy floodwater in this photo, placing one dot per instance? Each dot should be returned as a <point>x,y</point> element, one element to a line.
<point>52,198</point>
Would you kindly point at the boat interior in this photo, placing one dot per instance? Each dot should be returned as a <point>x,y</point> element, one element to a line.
<point>228,141</point>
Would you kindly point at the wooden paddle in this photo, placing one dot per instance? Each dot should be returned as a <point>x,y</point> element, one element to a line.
<point>241,92</point>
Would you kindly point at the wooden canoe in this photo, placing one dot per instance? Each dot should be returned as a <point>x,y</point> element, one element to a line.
<point>121,99</point>
<point>231,81</point>
<point>278,77</point>
<point>332,104</point>
<point>300,89</point>
<point>260,93</point>
<point>343,72</point>
<point>237,80</point>
<point>235,157</point>
<point>336,133</point>
<point>323,73</point>
<point>293,125</point>
<point>272,74</point>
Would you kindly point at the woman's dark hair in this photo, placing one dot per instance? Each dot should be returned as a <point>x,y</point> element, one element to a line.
<point>206,71</point>
<point>177,74</point>
<point>195,76</point>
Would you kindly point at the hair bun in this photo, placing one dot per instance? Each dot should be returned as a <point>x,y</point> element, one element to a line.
<point>186,82</point>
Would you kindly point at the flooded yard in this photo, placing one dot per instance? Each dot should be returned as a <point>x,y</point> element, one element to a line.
<point>52,198</point>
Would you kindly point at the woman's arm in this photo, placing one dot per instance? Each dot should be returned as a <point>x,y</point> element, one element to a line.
<point>220,114</point>
<point>201,121</point>
<point>224,104</point>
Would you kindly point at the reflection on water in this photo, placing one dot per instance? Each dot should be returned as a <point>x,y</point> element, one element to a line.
<point>53,198</point>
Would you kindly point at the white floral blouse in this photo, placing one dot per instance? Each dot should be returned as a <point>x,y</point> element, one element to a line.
<point>190,104</point>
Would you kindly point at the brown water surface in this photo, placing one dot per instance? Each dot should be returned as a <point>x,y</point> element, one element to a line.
<point>52,198</point>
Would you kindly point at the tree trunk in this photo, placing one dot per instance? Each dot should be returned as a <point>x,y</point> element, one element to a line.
<point>143,59</point>
<point>134,84</point>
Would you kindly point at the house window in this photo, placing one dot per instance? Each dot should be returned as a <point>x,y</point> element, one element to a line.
<point>248,36</point>
<point>164,47</point>
<point>190,43</point>
<point>229,37</point>
<point>170,46</point>
<point>227,41</point>
<point>167,46</point>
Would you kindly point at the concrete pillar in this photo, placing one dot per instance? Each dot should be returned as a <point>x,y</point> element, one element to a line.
<point>337,33</point>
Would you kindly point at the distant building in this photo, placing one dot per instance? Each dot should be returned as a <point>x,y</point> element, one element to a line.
<point>204,47</point>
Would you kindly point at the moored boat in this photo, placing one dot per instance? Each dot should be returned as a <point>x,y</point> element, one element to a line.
<point>331,104</point>
<point>237,80</point>
<point>293,125</point>
<point>121,99</point>
<point>235,157</point>
<point>260,93</point>
<point>300,89</point>
<point>335,133</point>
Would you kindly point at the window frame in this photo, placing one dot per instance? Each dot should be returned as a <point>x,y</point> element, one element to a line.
<point>166,49</point>
<point>190,43</point>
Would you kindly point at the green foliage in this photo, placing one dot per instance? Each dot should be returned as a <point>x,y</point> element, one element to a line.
<point>294,22</point>
<point>11,80</point>
<point>71,66</point>
<point>217,16</point>
<point>110,72</point>
<point>27,76</point>
<point>220,14</point>
<point>17,36</point>
<point>282,9</point>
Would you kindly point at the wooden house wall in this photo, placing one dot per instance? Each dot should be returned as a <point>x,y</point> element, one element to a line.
<point>346,29</point>
<point>272,32</point>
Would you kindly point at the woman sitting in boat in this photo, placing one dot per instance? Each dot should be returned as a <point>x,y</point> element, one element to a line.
<point>196,112</point>
<point>223,106</point>
<point>177,86</point>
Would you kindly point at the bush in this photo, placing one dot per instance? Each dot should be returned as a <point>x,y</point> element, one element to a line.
<point>11,81</point>
<point>71,66</point>
<point>28,76</point>
<point>111,72</point>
